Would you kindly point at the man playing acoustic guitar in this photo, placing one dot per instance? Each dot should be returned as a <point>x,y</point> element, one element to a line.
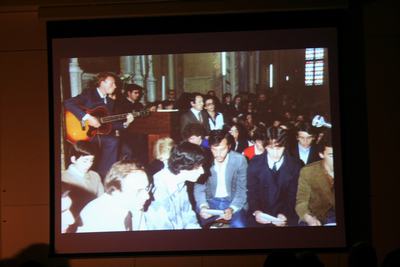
<point>88,107</point>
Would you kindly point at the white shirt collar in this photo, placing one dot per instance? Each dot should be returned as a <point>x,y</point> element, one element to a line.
<point>100,93</point>
<point>303,153</point>
<point>195,112</point>
<point>278,163</point>
<point>224,163</point>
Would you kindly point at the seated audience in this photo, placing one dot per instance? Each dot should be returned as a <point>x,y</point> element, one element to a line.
<point>272,183</point>
<point>82,184</point>
<point>258,148</point>
<point>225,189</point>
<point>304,149</point>
<point>239,137</point>
<point>161,153</point>
<point>67,218</point>
<point>227,107</point>
<point>120,208</point>
<point>171,208</point>
<point>194,133</point>
<point>315,201</point>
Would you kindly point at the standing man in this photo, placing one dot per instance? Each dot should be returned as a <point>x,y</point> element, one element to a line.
<point>315,201</point>
<point>225,189</point>
<point>304,149</point>
<point>99,96</point>
<point>272,182</point>
<point>133,145</point>
<point>196,113</point>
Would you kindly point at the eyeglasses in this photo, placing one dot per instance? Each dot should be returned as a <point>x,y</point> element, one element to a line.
<point>209,104</point>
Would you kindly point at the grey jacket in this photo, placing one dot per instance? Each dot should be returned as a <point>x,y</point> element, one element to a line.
<point>235,180</point>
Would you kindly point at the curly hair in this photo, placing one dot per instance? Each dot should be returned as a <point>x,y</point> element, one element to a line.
<point>185,156</point>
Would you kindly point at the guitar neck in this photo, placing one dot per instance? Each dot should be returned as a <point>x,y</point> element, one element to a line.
<point>112,118</point>
<point>118,117</point>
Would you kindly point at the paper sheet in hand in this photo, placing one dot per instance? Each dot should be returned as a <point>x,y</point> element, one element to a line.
<point>270,218</point>
<point>215,212</point>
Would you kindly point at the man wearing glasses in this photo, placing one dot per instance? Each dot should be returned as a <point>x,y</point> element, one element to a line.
<point>121,207</point>
<point>215,119</point>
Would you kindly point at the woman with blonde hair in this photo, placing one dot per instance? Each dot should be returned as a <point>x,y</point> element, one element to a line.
<point>161,153</point>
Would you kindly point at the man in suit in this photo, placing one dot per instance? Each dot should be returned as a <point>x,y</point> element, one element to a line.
<point>225,189</point>
<point>133,145</point>
<point>315,201</point>
<point>196,113</point>
<point>93,98</point>
<point>304,149</point>
<point>272,182</point>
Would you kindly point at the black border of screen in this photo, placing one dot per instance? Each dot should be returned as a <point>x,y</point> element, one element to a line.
<point>351,95</point>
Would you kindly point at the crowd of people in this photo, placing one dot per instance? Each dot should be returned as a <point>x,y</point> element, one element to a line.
<point>252,160</point>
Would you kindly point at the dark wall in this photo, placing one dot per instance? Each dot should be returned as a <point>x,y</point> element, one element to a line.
<point>24,170</point>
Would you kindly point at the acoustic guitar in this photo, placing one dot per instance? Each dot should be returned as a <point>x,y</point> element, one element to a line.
<point>78,131</point>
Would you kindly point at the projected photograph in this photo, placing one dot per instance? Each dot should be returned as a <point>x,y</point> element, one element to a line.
<point>196,141</point>
<point>231,139</point>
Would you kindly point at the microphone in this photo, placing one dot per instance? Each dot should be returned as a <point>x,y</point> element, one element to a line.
<point>319,121</point>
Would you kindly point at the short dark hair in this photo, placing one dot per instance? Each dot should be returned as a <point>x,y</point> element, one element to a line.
<point>278,134</point>
<point>326,141</point>
<point>226,95</point>
<point>239,126</point>
<point>185,156</point>
<point>260,133</point>
<point>193,129</point>
<point>207,97</point>
<point>192,97</point>
<point>82,148</point>
<point>305,127</point>
<point>216,137</point>
<point>133,87</point>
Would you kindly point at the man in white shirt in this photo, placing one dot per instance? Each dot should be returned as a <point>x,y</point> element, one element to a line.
<point>304,149</point>
<point>120,208</point>
<point>196,113</point>
<point>225,189</point>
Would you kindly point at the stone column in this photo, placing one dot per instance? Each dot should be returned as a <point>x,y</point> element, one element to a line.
<point>257,68</point>
<point>171,75</point>
<point>143,61</point>
<point>233,74</point>
<point>75,77</point>
<point>126,64</point>
<point>138,77</point>
<point>243,69</point>
<point>252,72</point>
<point>150,81</point>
